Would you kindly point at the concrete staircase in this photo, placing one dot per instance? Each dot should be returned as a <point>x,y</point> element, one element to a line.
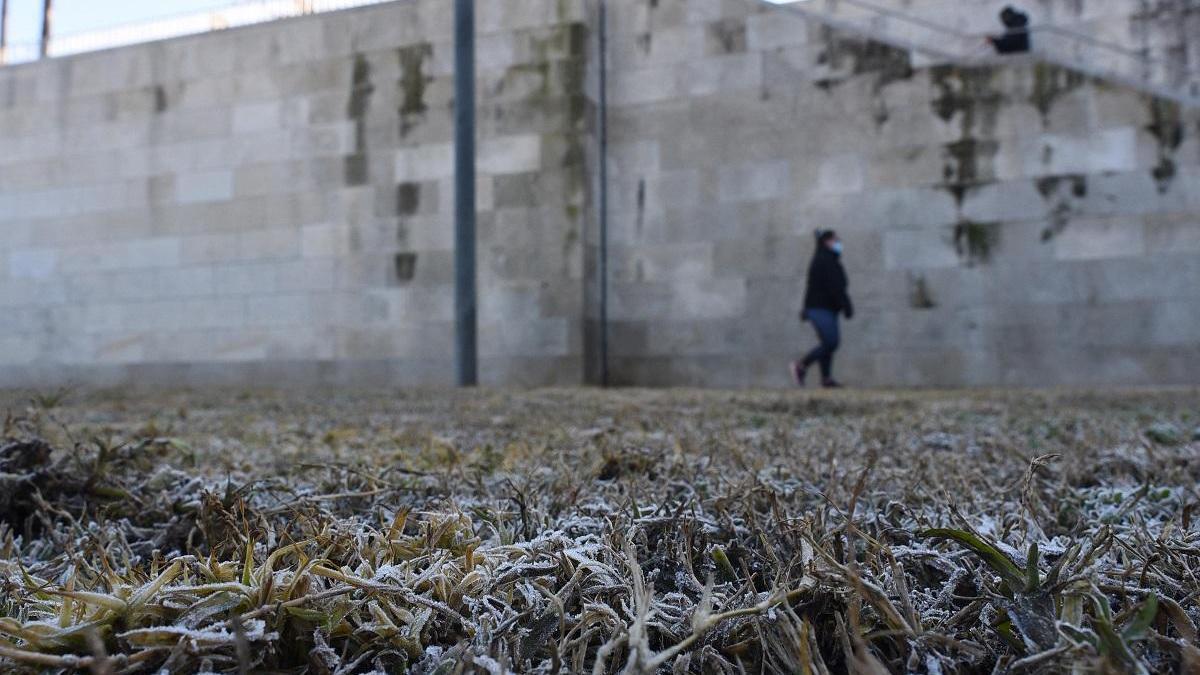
<point>1151,46</point>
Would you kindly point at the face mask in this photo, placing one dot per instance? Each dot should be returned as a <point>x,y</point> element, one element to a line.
<point>836,247</point>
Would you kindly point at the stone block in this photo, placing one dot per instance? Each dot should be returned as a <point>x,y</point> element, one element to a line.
<point>183,282</point>
<point>678,262</point>
<point>644,86</point>
<point>1100,238</point>
<point>425,162</point>
<point>658,49</point>
<point>692,337</point>
<point>1172,234</point>
<point>1174,323</point>
<point>37,264</point>
<point>274,243</point>
<point>708,299</point>
<point>305,275</point>
<point>509,302</point>
<point>252,117</point>
<point>841,174</point>
<point>917,249</point>
<point>510,154</point>
<point>772,30</point>
<point>543,338</point>
<point>279,309</point>
<point>754,181</point>
<point>207,186</point>
<point>245,278</point>
<point>997,202</point>
<point>19,349</point>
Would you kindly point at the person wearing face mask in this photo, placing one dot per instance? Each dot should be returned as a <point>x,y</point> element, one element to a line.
<point>824,299</point>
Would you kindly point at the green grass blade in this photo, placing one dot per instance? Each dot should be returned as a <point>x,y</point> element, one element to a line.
<point>1011,574</point>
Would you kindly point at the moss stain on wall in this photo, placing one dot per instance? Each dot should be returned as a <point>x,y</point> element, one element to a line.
<point>863,57</point>
<point>1060,201</point>
<point>356,170</point>
<point>1166,125</point>
<point>413,82</point>
<point>1050,83</point>
<point>968,95</point>
<point>975,242</point>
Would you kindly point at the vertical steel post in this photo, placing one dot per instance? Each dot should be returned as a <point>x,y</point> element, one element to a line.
<point>47,17</point>
<point>3,31</point>
<point>602,127</point>
<point>466,340</point>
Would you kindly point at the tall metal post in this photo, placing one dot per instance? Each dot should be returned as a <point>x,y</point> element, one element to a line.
<point>47,17</point>
<point>602,125</point>
<point>3,31</point>
<point>466,340</point>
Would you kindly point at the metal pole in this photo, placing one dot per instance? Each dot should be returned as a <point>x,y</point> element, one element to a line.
<point>3,31</point>
<point>464,194</point>
<point>602,124</point>
<point>47,14</point>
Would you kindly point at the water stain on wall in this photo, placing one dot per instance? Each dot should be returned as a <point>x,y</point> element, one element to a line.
<point>859,57</point>
<point>1050,83</point>
<point>727,36</point>
<point>967,95</point>
<point>975,242</point>
<point>919,294</point>
<point>408,198</point>
<point>160,99</point>
<point>405,266</point>
<point>1166,125</point>
<point>356,169</point>
<point>413,82</point>
<point>1061,194</point>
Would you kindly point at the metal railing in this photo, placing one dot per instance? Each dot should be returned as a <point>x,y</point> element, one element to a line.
<point>1140,69</point>
<point>243,13</point>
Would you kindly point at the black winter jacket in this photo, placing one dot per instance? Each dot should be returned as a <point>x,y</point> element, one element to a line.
<point>1016,32</point>
<point>827,283</point>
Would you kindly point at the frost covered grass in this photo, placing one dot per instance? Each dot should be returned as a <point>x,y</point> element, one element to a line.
<point>588,531</point>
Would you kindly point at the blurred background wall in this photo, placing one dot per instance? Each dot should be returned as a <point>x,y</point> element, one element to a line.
<point>273,204</point>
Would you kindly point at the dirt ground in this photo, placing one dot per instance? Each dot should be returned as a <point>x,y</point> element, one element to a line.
<point>600,531</point>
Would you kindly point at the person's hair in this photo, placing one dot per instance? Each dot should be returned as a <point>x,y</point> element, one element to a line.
<point>826,236</point>
<point>1012,17</point>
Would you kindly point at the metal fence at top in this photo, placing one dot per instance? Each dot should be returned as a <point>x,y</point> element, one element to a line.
<point>244,13</point>
<point>1142,69</point>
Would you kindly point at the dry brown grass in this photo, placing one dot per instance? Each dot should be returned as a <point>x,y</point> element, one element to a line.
<point>577,531</point>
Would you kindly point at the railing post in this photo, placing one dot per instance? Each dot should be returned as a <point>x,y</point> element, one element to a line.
<point>466,341</point>
<point>47,15</point>
<point>3,31</point>
<point>602,131</point>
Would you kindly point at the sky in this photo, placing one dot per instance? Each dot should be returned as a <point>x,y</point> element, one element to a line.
<point>77,16</point>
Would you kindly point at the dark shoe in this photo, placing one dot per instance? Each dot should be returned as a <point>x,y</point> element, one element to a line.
<point>798,373</point>
<point>831,384</point>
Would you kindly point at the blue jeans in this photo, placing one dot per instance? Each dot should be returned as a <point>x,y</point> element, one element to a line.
<point>825,322</point>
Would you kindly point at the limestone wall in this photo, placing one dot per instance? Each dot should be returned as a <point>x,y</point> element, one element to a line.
<point>1015,224</point>
<point>274,204</point>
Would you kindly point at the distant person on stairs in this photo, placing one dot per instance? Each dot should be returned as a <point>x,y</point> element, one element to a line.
<point>824,298</point>
<point>1015,39</point>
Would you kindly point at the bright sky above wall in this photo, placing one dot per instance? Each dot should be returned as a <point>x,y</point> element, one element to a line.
<point>77,16</point>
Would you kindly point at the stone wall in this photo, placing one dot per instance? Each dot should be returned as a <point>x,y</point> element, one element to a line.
<point>273,205</point>
<point>1012,224</point>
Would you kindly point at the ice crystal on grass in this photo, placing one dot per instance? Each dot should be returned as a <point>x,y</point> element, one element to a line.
<point>585,531</point>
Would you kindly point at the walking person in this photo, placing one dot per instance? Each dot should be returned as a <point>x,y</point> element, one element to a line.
<point>824,299</point>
